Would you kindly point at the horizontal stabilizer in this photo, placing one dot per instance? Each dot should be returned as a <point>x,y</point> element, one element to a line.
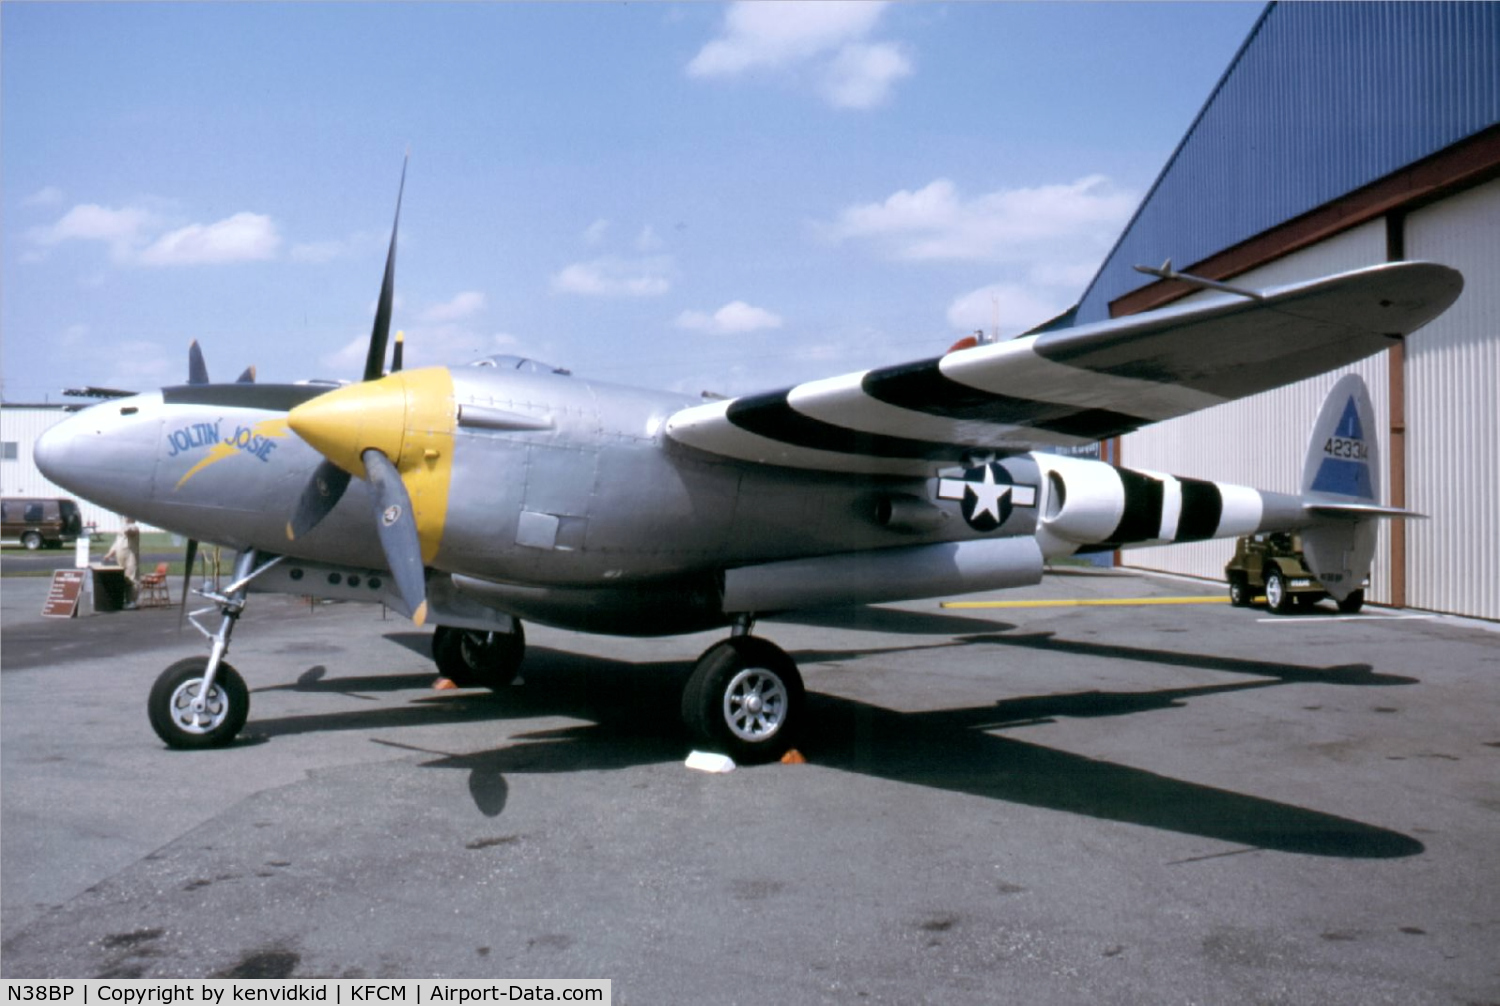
<point>1330,508</point>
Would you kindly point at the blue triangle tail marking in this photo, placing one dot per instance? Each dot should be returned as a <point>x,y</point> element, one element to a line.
<point>1346,478</point>
<point>1349,425</point>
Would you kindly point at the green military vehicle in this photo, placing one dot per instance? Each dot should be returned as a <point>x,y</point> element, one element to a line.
<point>1273,565</point>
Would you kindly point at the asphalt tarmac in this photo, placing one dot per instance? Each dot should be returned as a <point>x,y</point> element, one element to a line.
<point>1156,803</point>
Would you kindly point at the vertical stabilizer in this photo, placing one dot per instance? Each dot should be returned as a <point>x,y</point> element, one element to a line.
<point>1343,459</point>
<point>1340,480</point>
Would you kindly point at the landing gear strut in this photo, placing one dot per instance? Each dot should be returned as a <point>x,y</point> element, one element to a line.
<point>202,702</point>
<point>473,658</point>
<point>745,698</point>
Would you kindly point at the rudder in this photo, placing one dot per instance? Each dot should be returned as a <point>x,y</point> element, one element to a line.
<point>1340,483</point>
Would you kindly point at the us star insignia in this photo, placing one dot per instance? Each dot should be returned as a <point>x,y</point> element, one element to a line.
<point>987,495</point>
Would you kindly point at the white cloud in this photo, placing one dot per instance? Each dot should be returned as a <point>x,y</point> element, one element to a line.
<point>617,277</point>
<point>862,76</point>
<point>936,223</point>
<point>595,233</point>
<point>1017,308</point>
<point>463,305</point>
<point>49,196</point>
<point>826,38</point>
<point>243,237</point>
<point>122,230</point>
<point>648,241</point>
<point>134,236</point>
<point>731,319</point>
<point>357,244</point>
<point>758,34</point>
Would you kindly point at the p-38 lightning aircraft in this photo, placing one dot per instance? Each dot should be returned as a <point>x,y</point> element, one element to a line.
<point>475,497</point>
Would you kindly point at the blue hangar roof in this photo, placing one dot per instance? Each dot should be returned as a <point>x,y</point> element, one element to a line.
<point>1322,99</point>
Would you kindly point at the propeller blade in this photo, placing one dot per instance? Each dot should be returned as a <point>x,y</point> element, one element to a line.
<point>187,579</point>
<point>197,369</point>
<point>319,496</point>
<point>396,353</point>
<point>397,527</point>
<point>247,376</point>
<point>380,334</point>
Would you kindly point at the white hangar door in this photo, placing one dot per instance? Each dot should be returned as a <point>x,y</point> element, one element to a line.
<point>1453,413</point>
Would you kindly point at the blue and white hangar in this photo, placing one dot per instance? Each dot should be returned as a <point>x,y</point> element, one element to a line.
<point>1344,135</point>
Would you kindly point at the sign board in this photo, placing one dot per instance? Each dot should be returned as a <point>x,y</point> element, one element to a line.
<point>62,599</point>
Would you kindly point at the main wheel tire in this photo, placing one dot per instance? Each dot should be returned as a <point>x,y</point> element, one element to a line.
<point>170,705</point>
<point>31,540</point>
<point>471,658</point>
<point>1278,596</point>
<point>745,699</point>
<point>1351,604</point>
<point>1239,592</point>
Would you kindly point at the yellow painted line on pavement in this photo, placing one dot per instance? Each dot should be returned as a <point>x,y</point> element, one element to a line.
<point>1102,602</point>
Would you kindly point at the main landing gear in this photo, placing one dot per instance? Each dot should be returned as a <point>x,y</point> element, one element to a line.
<point>472,658</point>
<point>744,698</point>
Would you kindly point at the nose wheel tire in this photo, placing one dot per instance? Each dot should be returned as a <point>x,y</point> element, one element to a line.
<point>475,659</point>
<point>1351,604</point>
<point>745,699</point>
<point>185,718</point>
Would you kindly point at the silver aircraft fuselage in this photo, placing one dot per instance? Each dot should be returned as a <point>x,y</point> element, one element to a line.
<point>574,488</point>
<point>564,501</point>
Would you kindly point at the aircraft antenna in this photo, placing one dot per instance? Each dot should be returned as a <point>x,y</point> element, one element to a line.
<point>1165,271</point>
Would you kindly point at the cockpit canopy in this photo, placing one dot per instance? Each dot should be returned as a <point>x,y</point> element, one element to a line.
<point>521,364</point>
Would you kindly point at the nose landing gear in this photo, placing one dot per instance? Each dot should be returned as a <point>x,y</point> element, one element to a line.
<point>202,702</point>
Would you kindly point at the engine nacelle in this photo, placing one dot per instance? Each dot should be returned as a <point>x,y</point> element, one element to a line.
<point>1082,502</point>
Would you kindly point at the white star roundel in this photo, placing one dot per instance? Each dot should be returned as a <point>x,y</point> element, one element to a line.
<point>986,495</point>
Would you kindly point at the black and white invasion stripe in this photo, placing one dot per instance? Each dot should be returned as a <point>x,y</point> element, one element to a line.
<point>1071,386</point>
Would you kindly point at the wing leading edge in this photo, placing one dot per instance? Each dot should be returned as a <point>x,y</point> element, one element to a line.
<point>1074,386</point>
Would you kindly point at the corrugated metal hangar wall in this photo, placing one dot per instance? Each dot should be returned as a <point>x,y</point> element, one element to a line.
<point>1345,135</point>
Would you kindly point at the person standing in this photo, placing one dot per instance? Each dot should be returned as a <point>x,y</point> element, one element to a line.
<point>126,550</point>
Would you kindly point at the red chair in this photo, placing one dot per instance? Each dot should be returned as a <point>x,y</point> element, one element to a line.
<point>154,592</point>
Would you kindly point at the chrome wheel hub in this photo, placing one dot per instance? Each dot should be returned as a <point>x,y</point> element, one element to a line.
<point>755,704</point>
<point>197,714</point>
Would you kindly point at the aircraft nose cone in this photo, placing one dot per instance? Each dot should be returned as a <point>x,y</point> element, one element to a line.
<point>48,453</point>
<point>58,457</point>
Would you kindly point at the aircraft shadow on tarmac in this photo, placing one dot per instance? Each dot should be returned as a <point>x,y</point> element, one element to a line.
<point>631,711</point>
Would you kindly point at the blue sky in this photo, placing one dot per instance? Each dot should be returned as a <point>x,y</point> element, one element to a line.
<point>695,196</point>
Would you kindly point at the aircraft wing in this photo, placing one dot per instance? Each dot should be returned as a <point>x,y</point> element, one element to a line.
<point>1073,386</point>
